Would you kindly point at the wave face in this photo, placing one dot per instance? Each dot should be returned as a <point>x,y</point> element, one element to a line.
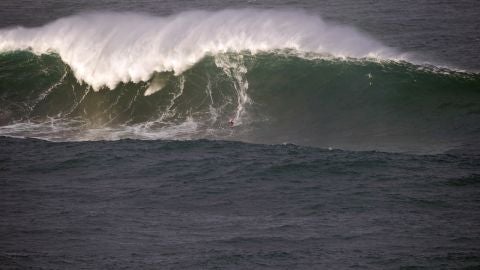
<point>278,76</point>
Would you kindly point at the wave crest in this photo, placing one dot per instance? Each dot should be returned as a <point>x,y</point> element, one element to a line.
<point>104,49</point>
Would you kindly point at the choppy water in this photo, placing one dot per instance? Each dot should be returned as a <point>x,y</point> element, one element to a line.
<point>244,135</point>
<point>216,204</point>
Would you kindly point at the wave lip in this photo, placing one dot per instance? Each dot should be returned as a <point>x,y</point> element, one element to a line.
<point>104,49</point>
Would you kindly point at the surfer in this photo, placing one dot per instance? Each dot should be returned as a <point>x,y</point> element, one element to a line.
<point>231,123</point>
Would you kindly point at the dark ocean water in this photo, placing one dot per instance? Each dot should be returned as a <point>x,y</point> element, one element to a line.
<point>214,204</point>
<point>239,134</point>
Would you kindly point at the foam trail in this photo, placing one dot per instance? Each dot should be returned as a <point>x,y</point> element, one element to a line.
<point>236,70</point>
<point>104,49</point>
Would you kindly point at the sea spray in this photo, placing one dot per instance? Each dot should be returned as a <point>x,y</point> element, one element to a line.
<point>104,49</point>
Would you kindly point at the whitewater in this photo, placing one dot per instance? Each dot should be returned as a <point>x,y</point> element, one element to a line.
<point>104,49</point>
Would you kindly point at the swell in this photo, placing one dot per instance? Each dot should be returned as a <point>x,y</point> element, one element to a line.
<point>275,97</point>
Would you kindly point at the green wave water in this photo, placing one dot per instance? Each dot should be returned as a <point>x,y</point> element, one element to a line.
<point>272,98</point>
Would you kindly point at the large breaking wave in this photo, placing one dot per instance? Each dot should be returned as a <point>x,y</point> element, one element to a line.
<point>279,76</point>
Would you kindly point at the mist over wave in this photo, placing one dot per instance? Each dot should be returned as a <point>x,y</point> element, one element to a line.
<point>103,49</point>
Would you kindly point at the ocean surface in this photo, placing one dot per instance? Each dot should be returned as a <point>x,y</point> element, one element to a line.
<point>239,134</point>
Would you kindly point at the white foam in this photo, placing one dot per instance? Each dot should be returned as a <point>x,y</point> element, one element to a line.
<point>104,49</point>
